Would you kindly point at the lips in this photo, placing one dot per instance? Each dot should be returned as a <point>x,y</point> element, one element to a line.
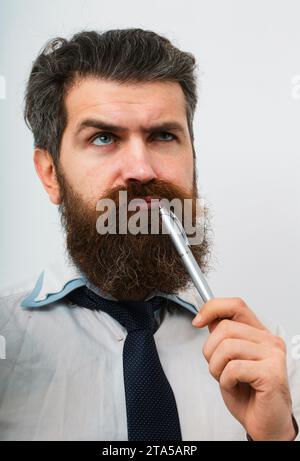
<point>150,201</point>
<point>148,198</point>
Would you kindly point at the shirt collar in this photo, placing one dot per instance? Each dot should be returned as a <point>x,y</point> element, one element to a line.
<point>61,277</point>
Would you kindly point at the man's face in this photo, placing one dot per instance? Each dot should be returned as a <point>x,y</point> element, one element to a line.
<point>132,138</point>
<point>95,160</point>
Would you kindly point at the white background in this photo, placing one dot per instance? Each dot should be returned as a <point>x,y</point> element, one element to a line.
<point>247,136</point>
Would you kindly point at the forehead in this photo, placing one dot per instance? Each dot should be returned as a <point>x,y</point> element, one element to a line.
<point>130,104</point>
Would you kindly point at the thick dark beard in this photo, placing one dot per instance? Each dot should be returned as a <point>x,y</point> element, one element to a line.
<point>128,267</point>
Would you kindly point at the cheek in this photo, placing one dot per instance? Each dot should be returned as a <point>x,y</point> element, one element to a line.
<point>179,172</point>
<point>88,180</point>
<point>188,170</point>
<point>96,181</point>
<point>85,172</point>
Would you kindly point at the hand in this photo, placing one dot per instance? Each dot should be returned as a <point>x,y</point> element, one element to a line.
<point>249,362</point>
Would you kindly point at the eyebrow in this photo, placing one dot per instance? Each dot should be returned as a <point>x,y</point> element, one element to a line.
<point>102,125</point>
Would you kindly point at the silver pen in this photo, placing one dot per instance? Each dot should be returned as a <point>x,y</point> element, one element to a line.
<point>180,240</point>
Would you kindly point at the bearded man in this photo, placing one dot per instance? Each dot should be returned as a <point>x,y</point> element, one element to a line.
<point>115,343</point>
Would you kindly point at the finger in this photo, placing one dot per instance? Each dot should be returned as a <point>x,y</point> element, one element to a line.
<point>226,308</point>
<point>241,371</point>
<point>214,324</point>
<point>235,330</point>
<point>235,349</point>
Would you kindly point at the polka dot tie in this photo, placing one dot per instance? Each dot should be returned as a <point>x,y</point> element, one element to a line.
<point>150,403</point>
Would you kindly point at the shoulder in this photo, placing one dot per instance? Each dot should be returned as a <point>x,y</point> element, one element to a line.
<point>50,284</point>
<point>11,296</point>
<point>19,287</point>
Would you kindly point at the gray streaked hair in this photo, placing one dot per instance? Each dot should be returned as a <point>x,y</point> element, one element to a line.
<point>121,55</point>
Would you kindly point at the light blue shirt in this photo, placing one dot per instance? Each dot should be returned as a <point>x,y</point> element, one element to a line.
<point>62,378</point>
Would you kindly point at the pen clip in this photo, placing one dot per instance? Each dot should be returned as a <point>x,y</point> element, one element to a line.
<point>177,223</point>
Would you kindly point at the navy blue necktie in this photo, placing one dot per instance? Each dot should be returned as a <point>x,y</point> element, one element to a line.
<point>150,402</point>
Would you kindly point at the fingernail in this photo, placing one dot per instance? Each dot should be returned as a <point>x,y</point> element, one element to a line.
<point>197,320</point>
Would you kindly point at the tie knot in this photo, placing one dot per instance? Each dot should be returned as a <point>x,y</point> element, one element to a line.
<point>133,315</point>
<point>139,315</point>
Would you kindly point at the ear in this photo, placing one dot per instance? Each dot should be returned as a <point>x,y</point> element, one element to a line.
<point>45,169</point>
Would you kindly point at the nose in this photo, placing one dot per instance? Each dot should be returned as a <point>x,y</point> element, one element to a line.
<point>137,163</point>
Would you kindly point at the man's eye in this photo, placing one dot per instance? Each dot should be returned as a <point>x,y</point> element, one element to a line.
<point>103,139</point>
<point>165,134</point>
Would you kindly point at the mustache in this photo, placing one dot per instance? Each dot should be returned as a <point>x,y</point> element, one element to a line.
<point>119,214</point>
<point>156,188</point>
